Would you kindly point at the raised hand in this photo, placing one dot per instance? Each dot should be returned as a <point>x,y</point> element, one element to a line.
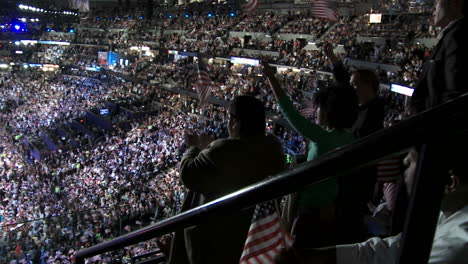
<point>328,50</point>
<point>192,140</point>
<point>204,140</point>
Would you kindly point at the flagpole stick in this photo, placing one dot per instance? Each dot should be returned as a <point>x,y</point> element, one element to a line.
<point>288,241</point>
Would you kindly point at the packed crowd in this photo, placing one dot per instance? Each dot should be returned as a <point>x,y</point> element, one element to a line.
<point>305,24</point>
<point>131,175</point>
<point>83,193</point>
<point>208,35</point>
<point>38,100</point>
<point>98,185</point>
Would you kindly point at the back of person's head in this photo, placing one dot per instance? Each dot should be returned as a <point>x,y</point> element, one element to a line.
<point>455,156</point>
<point>368,78</point>
<point>338,107</point>
<point>249,112</point>
<point>465,6</point>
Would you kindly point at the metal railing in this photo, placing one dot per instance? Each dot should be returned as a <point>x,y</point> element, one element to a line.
<point>428,129</point>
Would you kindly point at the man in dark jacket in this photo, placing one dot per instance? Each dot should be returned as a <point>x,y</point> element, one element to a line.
<point>366,85</point>
<point>445,72</point>
<point>355,192</point>
<point>225,166</point>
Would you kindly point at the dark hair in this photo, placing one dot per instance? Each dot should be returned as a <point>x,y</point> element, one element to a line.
<point>338,106</point>
<point>250,113</point>
<point>464,8</point>
<point>453,153</point>
<point>369,77</point>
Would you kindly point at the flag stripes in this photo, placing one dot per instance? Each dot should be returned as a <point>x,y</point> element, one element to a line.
<point>265,237</point>
<point>389,169</point>
<point>390,194</point>
<point>308,110</point>
<point>321,9</point>
<point>251,6</point>
<point>203,83</point>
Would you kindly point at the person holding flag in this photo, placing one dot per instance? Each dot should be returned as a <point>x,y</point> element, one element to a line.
<point>203,83</point>
<point>322,9</point>
<point>336,112</point>
<point>211,169</point>
<point>250,7</point>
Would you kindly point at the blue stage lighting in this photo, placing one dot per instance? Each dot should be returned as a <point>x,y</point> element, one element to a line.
<point>141,17</point>
<point>170,16</point>
<point>97,18</point>
<point>210,14</point>
<point>17,27</point>
<point>187,15</point>
<point>48,29</point>
<point>71,30</point>
<point>232,14</point>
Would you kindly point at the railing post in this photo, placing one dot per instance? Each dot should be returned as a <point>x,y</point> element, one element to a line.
<point>424,205</point>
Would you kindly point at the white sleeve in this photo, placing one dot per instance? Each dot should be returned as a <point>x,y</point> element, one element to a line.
<point>374,250</point>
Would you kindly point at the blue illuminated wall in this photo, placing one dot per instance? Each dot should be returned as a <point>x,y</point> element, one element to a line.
<point>112,58</point>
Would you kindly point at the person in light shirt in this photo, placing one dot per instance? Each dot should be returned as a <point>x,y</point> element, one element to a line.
<point>450,244</point>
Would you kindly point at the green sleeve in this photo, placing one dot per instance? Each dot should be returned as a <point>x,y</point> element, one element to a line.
<point>301,124</point>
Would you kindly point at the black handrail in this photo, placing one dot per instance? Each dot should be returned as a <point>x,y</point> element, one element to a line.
<point>429,127</point>
<point>147,254</point>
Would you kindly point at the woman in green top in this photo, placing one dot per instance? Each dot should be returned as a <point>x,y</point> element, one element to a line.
<point>336,112</point>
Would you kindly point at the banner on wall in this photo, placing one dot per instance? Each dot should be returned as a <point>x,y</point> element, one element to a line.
<point>82,5</point>
<point>102,58</point>
<point>112,58</point>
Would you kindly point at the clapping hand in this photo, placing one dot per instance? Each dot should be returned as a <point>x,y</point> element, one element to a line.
<point>192,140</point>
<point>200,141</point>
<point>204,140</point>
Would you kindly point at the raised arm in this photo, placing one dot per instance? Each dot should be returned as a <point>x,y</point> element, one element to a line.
<point>301,124</point>
<point>341,75</point>
<point>197,172</point>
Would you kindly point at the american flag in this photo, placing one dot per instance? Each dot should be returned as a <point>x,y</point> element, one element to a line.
<point>389,169</point>
<point>321,9</point>
<point>266,235</point>
<point>308,109</point>
<point>251,6</point>
<point>202,82</point>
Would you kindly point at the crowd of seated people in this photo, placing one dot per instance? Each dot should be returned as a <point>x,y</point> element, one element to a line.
<point>83,180</point>
<point>45,100</point>
<point>305,24</point>
<point>207,35</point>
<point>267,23</point>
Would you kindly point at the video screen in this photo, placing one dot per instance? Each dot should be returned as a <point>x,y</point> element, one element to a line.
<point>402,89</point>
<point>104,111</point>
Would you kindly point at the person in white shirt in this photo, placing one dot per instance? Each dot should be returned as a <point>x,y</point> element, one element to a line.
<point>450,244</point>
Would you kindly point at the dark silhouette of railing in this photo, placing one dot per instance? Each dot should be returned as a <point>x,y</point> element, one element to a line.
<point>428,130</point>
